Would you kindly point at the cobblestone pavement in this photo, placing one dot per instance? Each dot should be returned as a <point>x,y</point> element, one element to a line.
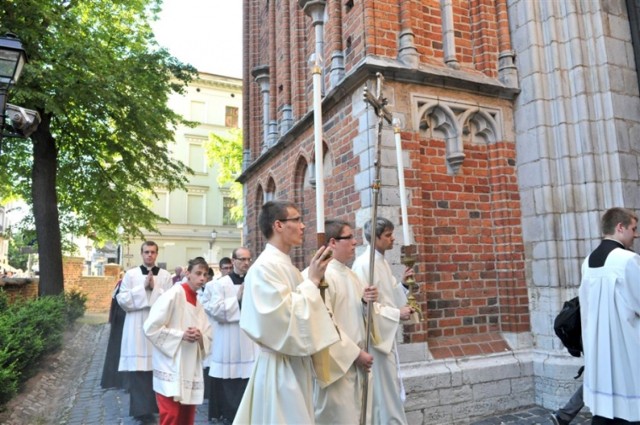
<point>67,391</point>
<point>94,405</point>
<point>532,416</point>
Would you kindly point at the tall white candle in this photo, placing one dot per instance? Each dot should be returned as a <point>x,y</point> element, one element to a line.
<point>319,154</point>
<point>403,190</point>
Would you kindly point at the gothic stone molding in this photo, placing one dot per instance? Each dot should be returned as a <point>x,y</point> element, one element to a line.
<point>457,123</point>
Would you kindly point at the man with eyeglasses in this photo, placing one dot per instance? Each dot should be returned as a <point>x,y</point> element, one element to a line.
<point>388,390</point>
<point>285,315</point>
<point>226,266</point>
<point>339,400</point>
<point>233,353</point>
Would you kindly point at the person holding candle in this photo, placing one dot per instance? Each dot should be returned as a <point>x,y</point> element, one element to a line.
<point>388,390</point>
<point>339,399</point>
<point>285,315</point>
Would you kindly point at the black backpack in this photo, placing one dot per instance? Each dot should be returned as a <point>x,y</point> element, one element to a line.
<point>568,328</point>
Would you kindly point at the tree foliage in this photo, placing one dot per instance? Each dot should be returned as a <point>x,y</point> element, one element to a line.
<point>18,241</point>
<point>225,152</point>
<point>101,84</point>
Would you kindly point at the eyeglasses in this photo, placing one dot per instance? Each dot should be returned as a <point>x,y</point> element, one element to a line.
<point>226,267</point>
<point>297,219</point>
<point>243,259</point>
<point>345,237</point>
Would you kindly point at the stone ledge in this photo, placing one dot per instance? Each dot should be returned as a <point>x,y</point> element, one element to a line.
<point>460,390</point>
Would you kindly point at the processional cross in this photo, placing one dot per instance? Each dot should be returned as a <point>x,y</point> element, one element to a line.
<point>379,104</point>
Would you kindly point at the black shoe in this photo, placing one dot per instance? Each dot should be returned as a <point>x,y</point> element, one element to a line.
<point>558,421</point>
<point>146,419</point>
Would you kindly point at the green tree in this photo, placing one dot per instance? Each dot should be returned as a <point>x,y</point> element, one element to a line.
<point>101,84</point>
<point>19,242</point>
<point>225,152</point>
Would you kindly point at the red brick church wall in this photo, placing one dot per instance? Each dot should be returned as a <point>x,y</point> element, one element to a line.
<point>467,225</point>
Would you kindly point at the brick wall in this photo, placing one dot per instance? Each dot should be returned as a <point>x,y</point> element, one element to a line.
<point>284,41</point>
<point>97,288</point>
<point>19,288</point>
<point>467,222</point>
<point>500,238</point>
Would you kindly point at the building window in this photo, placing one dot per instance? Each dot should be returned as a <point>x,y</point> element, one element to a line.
<point>197,158</point>
<point>198,111</point>
<point>231,117</point>
<point>228,204</point>
<point>195,209</point>
<point>270,193</point>
<point>160,204</point>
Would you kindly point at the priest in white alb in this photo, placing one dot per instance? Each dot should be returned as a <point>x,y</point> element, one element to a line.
<point>285,315</point>
<point>233,353</point>
<point>140,288</point>
<point>388,389</point>
<point>610,316</point>
<point>338,399</point>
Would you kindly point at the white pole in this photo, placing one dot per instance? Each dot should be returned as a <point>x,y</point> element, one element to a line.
<point>317,124</point>
<point>403,190</point>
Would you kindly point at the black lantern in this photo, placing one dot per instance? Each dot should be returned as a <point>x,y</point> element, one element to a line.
<point>12,60</point>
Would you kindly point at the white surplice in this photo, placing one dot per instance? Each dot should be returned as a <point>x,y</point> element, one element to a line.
<point>177,364</point>
<point>388,390</point>
<point>285,315</point>
<point>339,401</point>
<point>610,314</point>
<point>233,353</point>
<point>136,349</point>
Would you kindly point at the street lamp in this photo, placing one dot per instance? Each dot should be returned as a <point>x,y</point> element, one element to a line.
<point>214,236</point>
<point>12,60</point>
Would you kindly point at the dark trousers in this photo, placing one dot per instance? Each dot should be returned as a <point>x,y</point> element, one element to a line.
<point>570,410</point>
<point>225,397</point>
<point>141,395</point>
<point>207,386</point>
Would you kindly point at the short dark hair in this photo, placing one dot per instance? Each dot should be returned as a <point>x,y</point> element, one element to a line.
<point>272,211</point>
<point>333,228</point>
<point>224,261</point>
<point>196,262</point>
<point>210,272</point>
<point>616,215</point>
<point>234,254</point>
<point>148,243</point>
<point>382,224</point>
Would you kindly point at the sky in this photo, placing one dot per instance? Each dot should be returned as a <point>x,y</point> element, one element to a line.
<point>205,33</point>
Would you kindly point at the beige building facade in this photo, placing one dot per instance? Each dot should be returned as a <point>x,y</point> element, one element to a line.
<point>199,222</point>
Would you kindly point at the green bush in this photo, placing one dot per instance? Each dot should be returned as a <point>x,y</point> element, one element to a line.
<point>76,302</point>
<point>8,380</point>
<point>4,300</point>
<point>28,330</point>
